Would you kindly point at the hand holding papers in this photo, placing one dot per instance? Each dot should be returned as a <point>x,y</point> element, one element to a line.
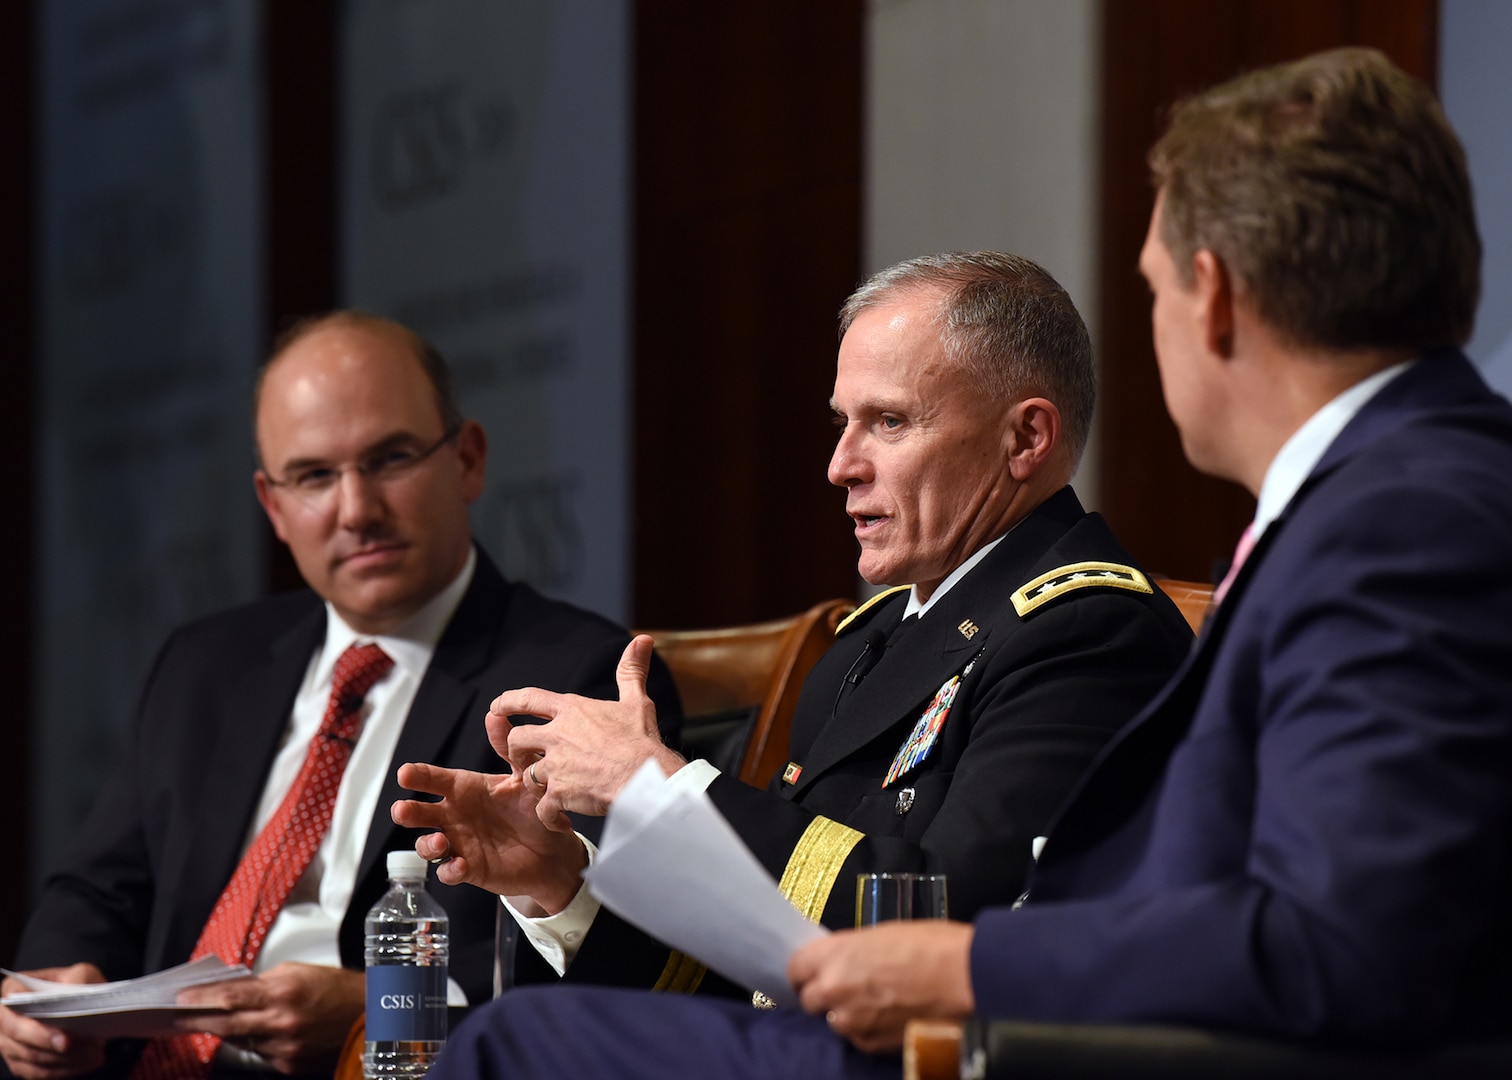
<point>138,1007</point>
<point>672,866</point>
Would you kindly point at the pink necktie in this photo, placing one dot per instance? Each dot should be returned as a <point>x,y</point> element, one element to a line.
<point>277,857</point>
<point>1241,552</point>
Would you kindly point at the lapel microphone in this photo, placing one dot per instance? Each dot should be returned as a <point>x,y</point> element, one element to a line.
<point>876,641</point>
<point>871,652</point>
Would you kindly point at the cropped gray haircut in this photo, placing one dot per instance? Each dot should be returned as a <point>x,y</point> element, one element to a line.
<point>1007,323</point>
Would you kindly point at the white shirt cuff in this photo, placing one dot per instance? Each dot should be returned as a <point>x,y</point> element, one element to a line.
<point>696,775</point>
<point>558,937</point>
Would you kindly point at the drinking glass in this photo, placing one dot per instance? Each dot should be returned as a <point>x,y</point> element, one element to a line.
<point>880,897</point>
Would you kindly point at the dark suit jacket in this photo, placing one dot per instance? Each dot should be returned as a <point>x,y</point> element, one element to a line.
<point>167,830</point>
<point>1309,833</point>
<point>1043,694</point>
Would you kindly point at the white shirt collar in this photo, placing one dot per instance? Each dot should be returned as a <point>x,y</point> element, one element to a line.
<point>412,642</point>
<point>917,607</point>
<point>1307,445</point>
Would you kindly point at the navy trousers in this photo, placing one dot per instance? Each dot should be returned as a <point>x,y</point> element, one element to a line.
<point>585,1032</point>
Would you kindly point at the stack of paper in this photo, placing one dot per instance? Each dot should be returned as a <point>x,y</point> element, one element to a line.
<point>140,1007</point>
<point>672,866</point>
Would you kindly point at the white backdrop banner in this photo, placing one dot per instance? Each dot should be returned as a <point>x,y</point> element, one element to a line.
<point>149,336</point>
<point>485,204</point>
<point>1475,83</point>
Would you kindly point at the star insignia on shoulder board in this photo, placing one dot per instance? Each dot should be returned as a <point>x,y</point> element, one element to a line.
<point>1075,576</point>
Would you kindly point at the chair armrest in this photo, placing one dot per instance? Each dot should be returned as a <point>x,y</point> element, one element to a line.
<point>1192,598</point>
<point>349,1064</point>
<point>1035,1051</point>
<point>932,1050</point>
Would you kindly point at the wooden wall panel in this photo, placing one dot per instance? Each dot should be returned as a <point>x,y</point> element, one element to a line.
<point>747,239</point>
<point>299,194</point>
<point>1154,52</point>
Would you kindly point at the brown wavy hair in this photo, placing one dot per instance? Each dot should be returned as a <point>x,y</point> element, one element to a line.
<point>1336,194</point>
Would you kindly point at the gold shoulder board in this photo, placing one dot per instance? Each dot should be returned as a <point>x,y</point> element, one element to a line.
<point>1082,575</point>
<point>873,602</point>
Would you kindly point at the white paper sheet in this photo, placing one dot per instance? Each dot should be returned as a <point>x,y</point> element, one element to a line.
<point>672,866</point>
<point>138,1007</point>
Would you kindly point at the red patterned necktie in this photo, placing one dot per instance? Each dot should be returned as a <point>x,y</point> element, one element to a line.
<point>1241,552</point>
<point>277,857</point>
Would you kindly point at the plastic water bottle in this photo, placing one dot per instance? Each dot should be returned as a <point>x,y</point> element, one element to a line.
<point>406,974</point>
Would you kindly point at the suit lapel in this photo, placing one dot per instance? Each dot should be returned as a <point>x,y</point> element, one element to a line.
<point>258,709</point>
<point>1135,757</point>
<point>1114,786</point>
<point>1397,403</point>
<point>957,628</point>
<point>1436,381</point>
<point>446,700</point>
<point>1133,762</point>
<point>902,678</point>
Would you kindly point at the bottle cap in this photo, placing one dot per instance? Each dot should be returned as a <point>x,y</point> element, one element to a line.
<point>406,866</point>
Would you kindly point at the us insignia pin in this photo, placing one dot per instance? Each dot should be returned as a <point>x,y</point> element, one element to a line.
<point>968,629</point>
<point>791,774</point>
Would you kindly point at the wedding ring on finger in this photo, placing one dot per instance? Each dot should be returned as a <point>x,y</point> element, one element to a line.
<point>530,772</point>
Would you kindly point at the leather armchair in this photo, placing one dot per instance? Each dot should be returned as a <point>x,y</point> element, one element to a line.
<point>739,685</point>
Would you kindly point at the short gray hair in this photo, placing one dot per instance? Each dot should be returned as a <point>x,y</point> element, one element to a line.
<point>1008,324</point>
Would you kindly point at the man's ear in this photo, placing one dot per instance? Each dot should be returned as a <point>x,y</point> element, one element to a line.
<point>1215,298</point>
<point>1033,433</point>
<point>472,452</point>
<point>269,502</point>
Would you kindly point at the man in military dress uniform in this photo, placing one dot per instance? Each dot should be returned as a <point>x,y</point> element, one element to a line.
<point>1304,835</point>
<point>952,715</point>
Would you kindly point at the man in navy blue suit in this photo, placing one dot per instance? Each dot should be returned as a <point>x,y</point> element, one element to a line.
<point>1308,833</point>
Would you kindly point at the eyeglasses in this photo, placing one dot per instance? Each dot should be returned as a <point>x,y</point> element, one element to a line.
<point>315,483</point>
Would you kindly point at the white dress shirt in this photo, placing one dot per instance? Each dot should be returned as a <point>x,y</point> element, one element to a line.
<point>307,926</point>
<point>1300,454</point>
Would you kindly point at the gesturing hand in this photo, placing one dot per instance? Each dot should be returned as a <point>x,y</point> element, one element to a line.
<point>870,982</point>
<point>590,749</point>
<point>490,835</point>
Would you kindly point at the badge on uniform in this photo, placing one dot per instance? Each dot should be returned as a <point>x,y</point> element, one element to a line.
<point>791,774</point>
<point>921,739</point>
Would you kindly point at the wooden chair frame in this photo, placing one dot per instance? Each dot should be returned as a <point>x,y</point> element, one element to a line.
<point>1192,597</point>
<point>760,666</point>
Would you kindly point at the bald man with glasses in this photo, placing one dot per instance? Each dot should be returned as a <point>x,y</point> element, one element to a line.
<point>248,816</point>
